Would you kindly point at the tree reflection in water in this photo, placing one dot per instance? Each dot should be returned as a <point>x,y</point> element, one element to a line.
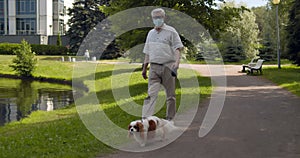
<point>18,98</point>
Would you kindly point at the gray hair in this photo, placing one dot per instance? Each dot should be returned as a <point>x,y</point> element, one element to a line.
<point>158,10</point>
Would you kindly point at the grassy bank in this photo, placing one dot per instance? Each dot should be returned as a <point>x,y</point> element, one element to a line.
<point>61,133</point>
<point>287,77</point>
<point>47,67</point>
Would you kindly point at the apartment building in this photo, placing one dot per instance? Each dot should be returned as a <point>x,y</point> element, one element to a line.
<point>33,17</point>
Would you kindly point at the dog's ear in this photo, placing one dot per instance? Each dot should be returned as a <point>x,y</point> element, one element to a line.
<point>140,127</point>
<point>152,125</point>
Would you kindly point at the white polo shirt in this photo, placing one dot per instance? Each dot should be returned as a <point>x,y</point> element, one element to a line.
<point>161,46</point>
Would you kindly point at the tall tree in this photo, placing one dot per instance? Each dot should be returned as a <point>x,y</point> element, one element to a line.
<point>240,39</point>
<point>85,15</point>
<point>293,29</point>
<point>283,14</point>
<point>266,19</point>
<point>266,51</point>
<point>205,12</point>
<point>231,45</point>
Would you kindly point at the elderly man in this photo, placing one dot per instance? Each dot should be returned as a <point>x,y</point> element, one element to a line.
<point>162,51</point>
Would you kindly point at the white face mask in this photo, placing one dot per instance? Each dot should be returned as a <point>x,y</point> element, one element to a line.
<point>158,22</point>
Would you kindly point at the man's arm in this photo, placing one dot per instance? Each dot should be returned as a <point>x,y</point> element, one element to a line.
<point>145,66</point>
<point>177,57</point>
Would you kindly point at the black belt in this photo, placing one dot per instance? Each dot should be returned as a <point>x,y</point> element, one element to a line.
<point>157,64</point>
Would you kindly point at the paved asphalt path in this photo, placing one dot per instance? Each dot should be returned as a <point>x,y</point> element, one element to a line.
<point>258,120</point>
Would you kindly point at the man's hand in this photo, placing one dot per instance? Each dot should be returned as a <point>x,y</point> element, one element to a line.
<point>144,72</point>
<point>175,66</point>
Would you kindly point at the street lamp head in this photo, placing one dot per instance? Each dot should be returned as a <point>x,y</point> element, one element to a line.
<point>276,2</point>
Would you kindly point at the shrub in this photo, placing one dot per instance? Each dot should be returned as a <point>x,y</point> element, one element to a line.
<point>58,41</point>
<point>8,48</point>
<point>25,61</point>
<point>49,49</point>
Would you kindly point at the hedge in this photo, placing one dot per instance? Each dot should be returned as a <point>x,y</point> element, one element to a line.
<point>49,49</point>
<point>9,48</point>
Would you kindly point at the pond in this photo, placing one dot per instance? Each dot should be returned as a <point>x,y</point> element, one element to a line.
<point>18,98</point>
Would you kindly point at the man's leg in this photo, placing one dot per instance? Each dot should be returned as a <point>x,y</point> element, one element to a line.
<point>153,89</point>
<point>168,81</point>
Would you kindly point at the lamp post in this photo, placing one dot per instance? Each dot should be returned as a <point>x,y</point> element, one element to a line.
<point>276,2</point>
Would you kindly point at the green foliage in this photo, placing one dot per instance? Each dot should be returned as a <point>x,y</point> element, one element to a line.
<point>233,53</point>
<point>231,47</point>
<point>58,41</point>
<point>208,51</point>
<point>266,52</point>
<point>266,19</point>
<point>203,11</point>
<point>287,77</point>
<point>240,40</point>
<point>132,43</point>
<point>40,49</point>
<point>294,33</point>
<point>85,15</point>
<point>8,48</point>
<point>25,60</point>
<point>111,52</point>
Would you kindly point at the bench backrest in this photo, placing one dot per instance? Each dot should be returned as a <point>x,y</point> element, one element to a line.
<point>259,64</point>
<point>252,60</point>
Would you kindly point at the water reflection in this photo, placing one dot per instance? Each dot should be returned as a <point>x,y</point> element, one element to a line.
<point>18,98</point>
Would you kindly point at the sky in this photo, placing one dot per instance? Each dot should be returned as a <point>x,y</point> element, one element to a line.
<point>252,3</point>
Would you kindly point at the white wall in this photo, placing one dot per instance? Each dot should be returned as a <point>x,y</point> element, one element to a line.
<point>45,13</point>
<point>12,17</point>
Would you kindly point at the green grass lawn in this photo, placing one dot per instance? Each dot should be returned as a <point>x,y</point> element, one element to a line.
<point>287,77</point>
<point>61,133</point>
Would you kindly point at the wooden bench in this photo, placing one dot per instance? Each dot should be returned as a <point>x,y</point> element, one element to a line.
<point>257,67</point>
<point>251,64</point>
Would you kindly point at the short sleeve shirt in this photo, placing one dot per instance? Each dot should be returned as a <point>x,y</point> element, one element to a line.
<point>161,46</point>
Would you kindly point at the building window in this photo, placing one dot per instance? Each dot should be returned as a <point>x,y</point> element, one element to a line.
<point>61,27</point>
<point>1,7</point>
<point>26,7</point>
<point>2,31</point>
<point>26,26</point>
<point>61,8</point>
